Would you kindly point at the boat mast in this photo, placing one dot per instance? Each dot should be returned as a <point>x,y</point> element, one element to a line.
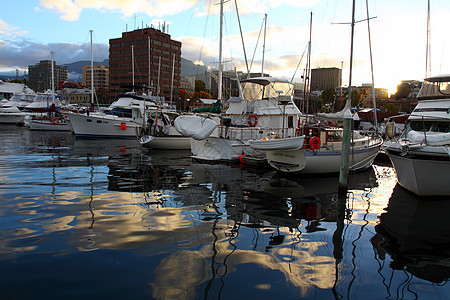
<point>171,84</point>
<point>428,51</point>
<point>374,102</point>
<point>349,100</point>
<point>92,71</point>
<point>308,69</point>
<point>53,80</point>
<point>219,93</point>
<point>132,65</point>
<point>264,45</point>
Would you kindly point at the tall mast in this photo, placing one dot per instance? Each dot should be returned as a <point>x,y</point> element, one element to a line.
<point>374,102</point>
<point>219,93</point>
<point>53,80</point>
<point>428,54</point>
<point>308,68</point>
<point>349,100</point>
<point>173,72</point>
<point>149,63</point>
<point>264,45</point>
<point>92,70</point>
<point>132,64</point>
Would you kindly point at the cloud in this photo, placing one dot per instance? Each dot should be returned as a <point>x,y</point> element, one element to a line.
<point>69,10</point>
<point>7,30</point>
<point>21,53</point>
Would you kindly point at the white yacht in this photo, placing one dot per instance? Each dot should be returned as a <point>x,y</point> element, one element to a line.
<point>265,108</point>
<point>421,156</point>
<point>124,118</point>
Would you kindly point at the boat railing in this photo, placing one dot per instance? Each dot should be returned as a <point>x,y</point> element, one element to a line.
<point>248,133</point>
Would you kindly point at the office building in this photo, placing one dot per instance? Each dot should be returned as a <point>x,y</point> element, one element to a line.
<point>145,45</point>
<point>40,75</point>
<point>101,77</point>
<point>324,78</point>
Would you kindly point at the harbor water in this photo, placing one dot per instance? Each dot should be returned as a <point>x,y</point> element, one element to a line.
<point>106,218</point>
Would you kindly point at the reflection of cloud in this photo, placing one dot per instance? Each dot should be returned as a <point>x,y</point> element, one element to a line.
<point>181,273</point>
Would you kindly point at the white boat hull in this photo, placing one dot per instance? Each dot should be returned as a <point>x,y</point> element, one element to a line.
<point>320,162</point>
<point>103,126</point>
<point>423,177</point>
<point>47,125</point>
<point>166,142</point>
<point>12,118</point>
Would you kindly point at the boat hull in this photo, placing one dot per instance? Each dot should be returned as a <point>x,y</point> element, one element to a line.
<point>103,126</point>
<point>321,162</point>
<point>426,176</point>
<point>12,118</point>
<point>166,142</point>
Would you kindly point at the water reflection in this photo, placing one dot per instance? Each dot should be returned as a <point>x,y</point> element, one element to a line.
<point>414,233</point>
<point>171,227</point>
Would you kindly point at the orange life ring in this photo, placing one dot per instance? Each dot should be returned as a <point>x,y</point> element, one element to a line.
<point>54,120</point>
<point>314,143</point>
<point>252,120</point>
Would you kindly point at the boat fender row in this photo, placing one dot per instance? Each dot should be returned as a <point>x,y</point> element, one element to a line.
<point>252,120</point>
<point>314,143</point>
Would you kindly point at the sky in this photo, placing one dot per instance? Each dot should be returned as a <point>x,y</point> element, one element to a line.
<point>31,29</point>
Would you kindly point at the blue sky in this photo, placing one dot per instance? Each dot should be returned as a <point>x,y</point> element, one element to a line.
<point>30,29</point>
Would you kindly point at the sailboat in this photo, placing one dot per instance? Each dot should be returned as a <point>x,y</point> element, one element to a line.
<point>53,120</point>
<point>322,148</point>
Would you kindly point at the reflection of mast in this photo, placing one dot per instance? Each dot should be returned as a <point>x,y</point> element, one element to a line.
<point>91,179</point>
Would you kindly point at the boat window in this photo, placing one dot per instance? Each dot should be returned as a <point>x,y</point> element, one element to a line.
<point>291,122</point>
<point>88,120</point>
<point>121,112</point>
<point>421,125</point>
<point>441,127</point>
<point>434,89</point>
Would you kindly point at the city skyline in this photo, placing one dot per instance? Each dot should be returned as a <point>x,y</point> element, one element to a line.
<point>398,34</point>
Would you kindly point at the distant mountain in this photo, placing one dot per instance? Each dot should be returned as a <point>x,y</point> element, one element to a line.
<point>188,68</point>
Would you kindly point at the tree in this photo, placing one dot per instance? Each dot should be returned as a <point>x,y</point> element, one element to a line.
<point>200,86</point>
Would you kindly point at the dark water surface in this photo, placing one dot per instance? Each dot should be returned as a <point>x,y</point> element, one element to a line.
<point>91,219</point>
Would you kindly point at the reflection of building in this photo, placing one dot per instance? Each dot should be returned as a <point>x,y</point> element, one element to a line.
<point>40,75</point>
<point>165,56</point>
<point>323,78</point>
<point>101,76</point>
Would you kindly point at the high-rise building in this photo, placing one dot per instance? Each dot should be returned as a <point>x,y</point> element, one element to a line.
<point>101,76</point>
<point>323,78</point>
<point>40,75</point>
<point>145,45</point>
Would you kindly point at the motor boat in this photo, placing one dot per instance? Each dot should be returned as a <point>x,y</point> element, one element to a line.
<point>421,155</point>
<point>264,108</point>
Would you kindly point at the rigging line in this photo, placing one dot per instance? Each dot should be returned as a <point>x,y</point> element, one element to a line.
<point>256,46</point>
<point>242,38</point>
<point>298,65</point>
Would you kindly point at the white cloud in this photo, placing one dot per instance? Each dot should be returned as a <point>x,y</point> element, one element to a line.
<point>10,31</point>
<point>69,10</point>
